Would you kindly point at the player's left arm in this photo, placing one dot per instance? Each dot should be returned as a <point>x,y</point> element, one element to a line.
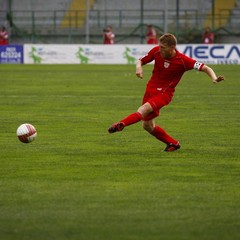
<point>209,71</point>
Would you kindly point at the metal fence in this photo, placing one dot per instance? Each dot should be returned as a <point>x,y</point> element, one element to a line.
<point>129,25</point>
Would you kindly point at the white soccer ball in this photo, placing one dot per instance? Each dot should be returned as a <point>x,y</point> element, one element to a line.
<point>26,133</point>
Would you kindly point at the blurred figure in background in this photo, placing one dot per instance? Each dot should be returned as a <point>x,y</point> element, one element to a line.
<point>108,35</point>
<point>3,36</point>
<point>151,36</point>
<point>208,36</point>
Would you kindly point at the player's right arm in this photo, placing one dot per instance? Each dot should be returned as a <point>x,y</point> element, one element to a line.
<point>139,69</point>
<point>149,57</point>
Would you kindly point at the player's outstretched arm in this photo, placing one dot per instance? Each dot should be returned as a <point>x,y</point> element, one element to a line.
<point>139,69</point>
<point>212,74</point>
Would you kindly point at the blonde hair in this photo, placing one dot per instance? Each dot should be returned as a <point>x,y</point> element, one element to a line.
<point>168,39</point>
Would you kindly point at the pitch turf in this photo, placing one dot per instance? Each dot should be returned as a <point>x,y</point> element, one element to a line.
<point>76,181</point>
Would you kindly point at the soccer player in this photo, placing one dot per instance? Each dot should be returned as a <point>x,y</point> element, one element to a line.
<point>168,69</point>
<point>108,36</point>
<point>208,36</point>
<point>151,35</point>
<point>3,36</point>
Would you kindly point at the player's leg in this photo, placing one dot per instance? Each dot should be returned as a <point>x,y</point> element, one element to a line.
<point>158,102</point>
<point>142,111</point>
<point>161,135</point>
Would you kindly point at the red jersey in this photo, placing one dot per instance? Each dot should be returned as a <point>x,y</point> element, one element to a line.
<point>152,36</point>
<point>3,38</point>
<point>208,38</point>
<point>109,38</point>
<point>167,73</point>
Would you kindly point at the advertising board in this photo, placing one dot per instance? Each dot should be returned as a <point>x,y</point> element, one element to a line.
<point>124,54</point>
<point>12,54</point>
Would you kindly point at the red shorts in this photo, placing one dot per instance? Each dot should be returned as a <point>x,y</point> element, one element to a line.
<point>157,100</point>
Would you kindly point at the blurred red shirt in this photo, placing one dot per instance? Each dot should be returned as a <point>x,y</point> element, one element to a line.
<point>208,37</point>
<point>152,36</point>
<point>109,37</point>
<point>3,37</point>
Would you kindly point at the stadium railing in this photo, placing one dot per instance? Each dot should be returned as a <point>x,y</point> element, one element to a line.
<point>46,26</point>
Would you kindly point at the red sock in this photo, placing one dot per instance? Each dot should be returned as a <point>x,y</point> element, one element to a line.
<point>132,118</point>
<point>161,135</point>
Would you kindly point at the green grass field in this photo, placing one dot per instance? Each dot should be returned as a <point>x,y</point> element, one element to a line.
<point>76,181</point>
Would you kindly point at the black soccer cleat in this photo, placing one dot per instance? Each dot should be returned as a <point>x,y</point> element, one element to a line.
<point>116,127</point>
<point>172,147</point>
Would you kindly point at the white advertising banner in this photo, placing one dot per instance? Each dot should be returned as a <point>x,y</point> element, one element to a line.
<point>212,53</point>
<point>123,54</point>
<point>83,54</point>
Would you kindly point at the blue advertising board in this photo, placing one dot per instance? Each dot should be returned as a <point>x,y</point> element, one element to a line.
<point>12,54</point>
